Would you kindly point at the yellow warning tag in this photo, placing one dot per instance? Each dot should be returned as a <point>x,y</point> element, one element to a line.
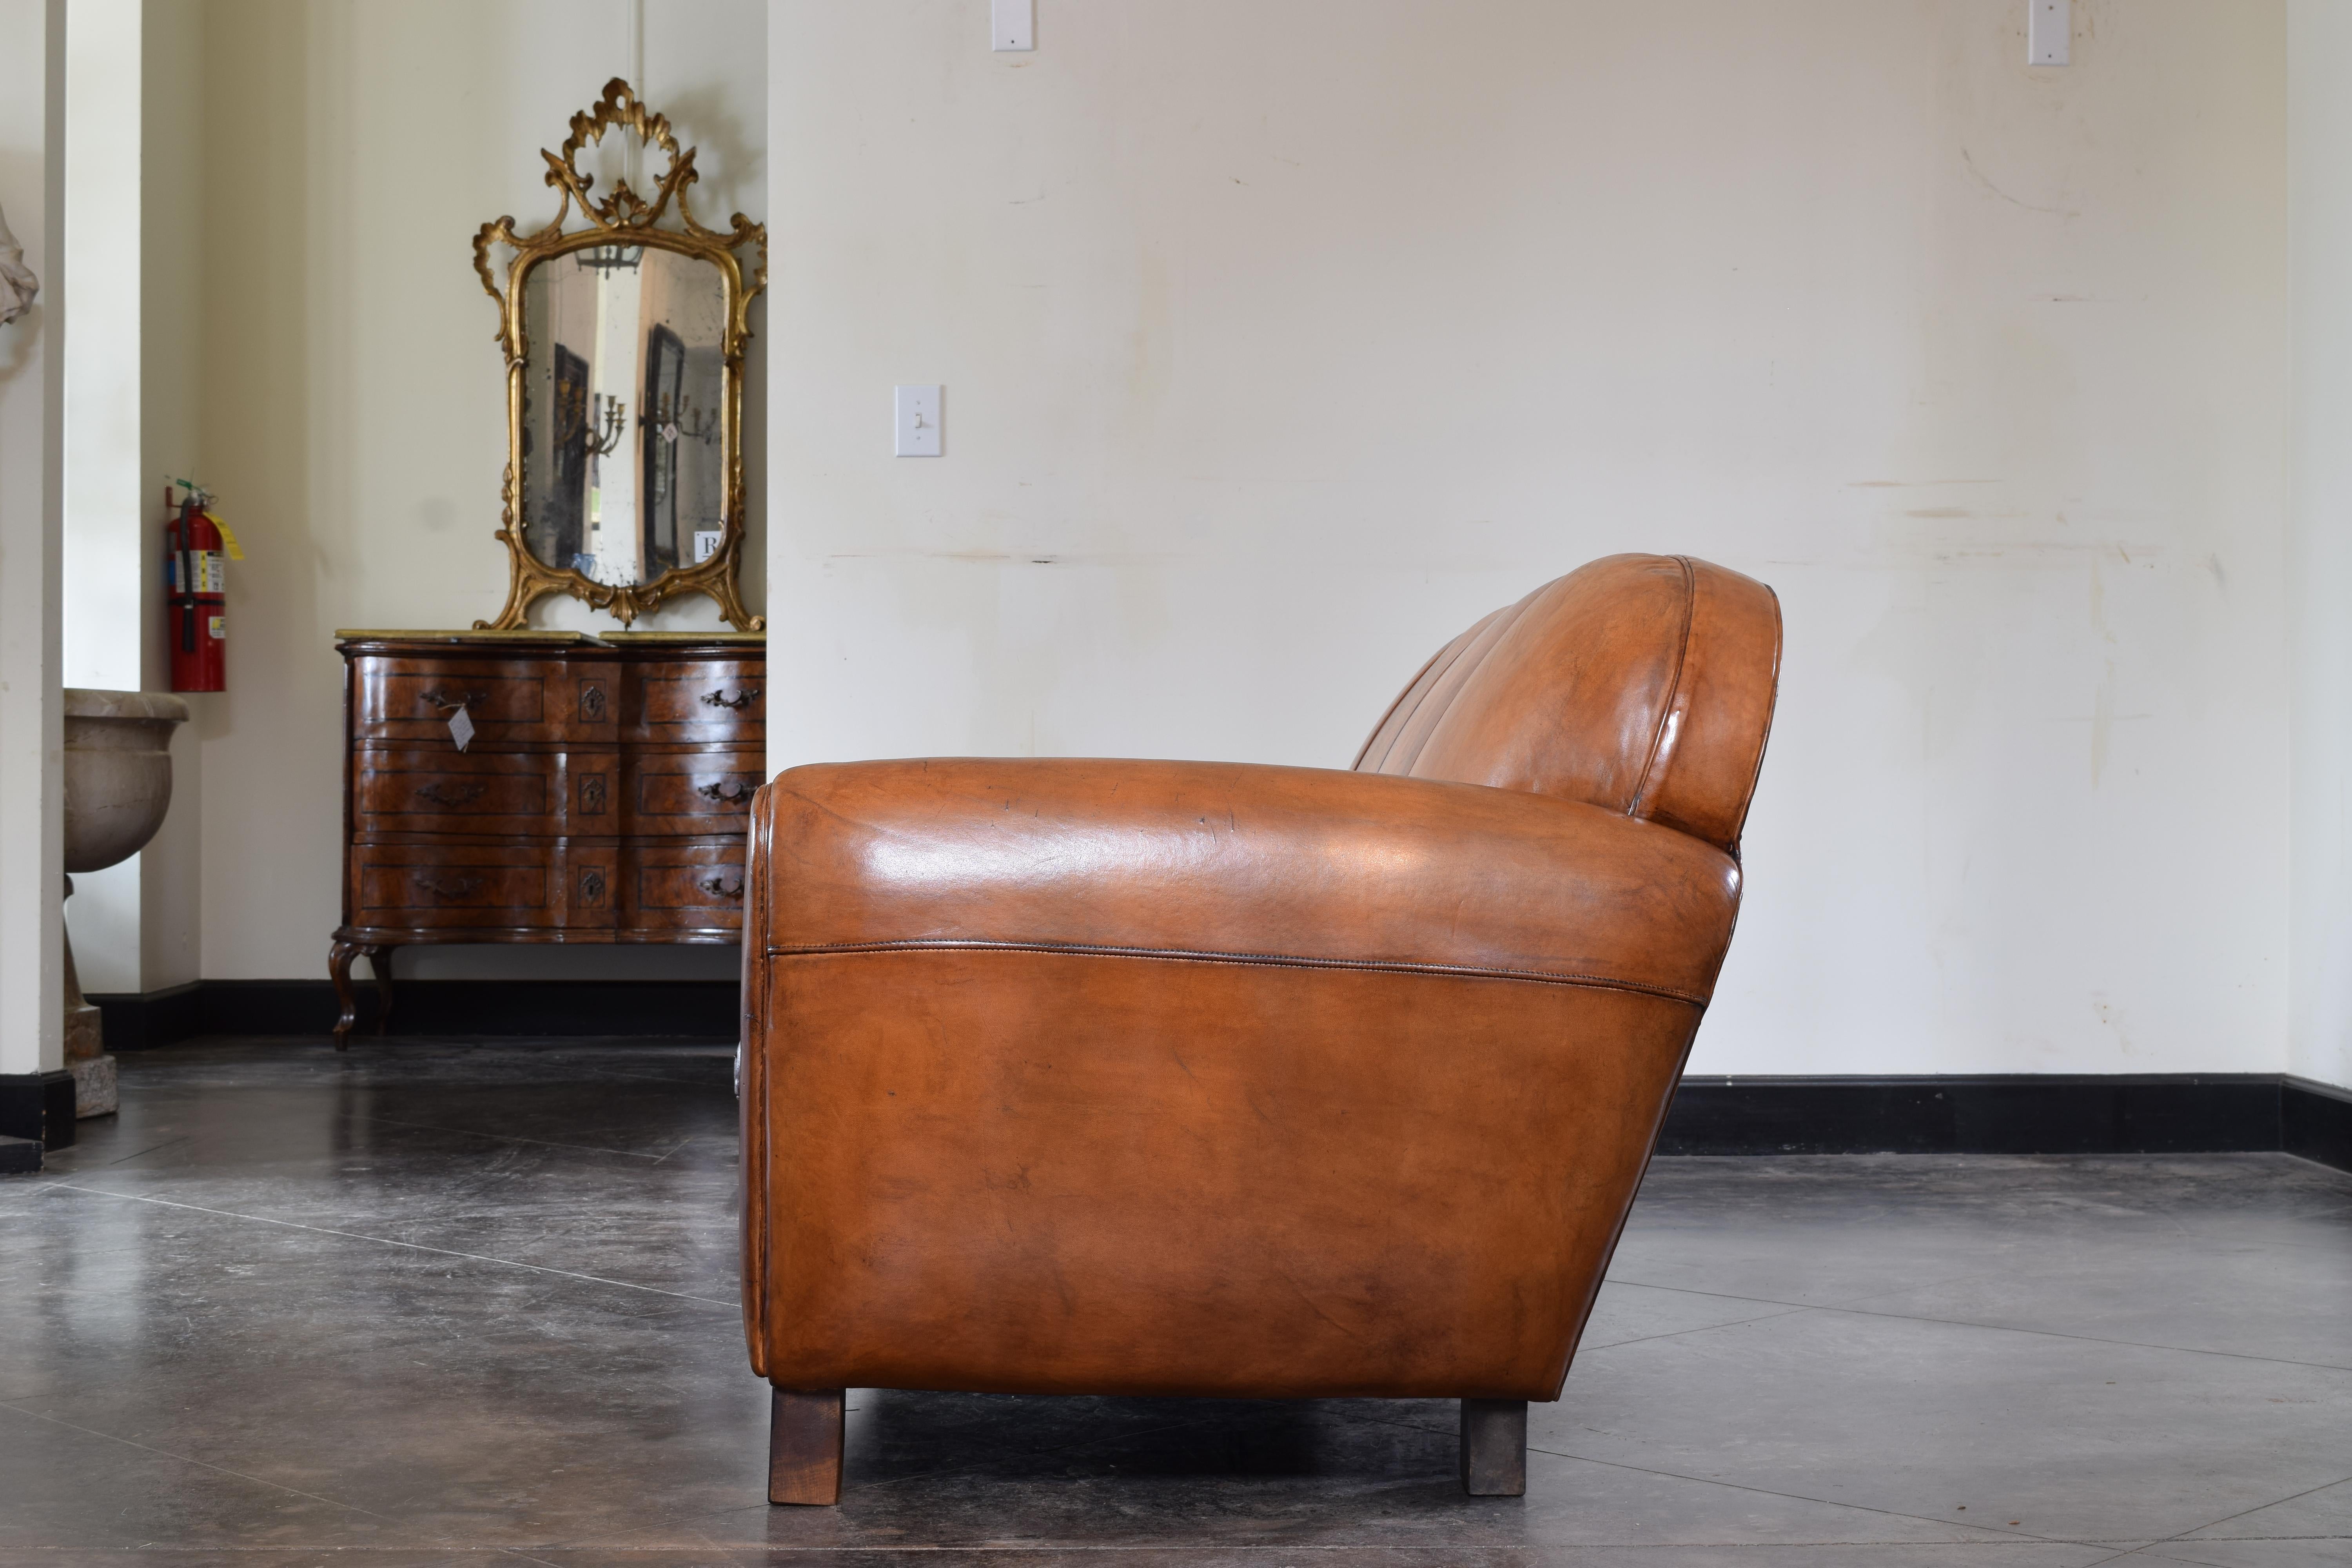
<point>228,539</point>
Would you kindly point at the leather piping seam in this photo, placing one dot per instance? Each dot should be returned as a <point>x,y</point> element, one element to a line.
<point>1509,617</point>
<point>1772,706</point>
<point>1254,959</point>
<point>1410,686</point>
<point>1674,688</point>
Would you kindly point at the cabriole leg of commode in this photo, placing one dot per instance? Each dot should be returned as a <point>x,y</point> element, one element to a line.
<point>804,1447</point>
<point>1495,1448</point>
<point>379,959</point>
<point>338,970</point>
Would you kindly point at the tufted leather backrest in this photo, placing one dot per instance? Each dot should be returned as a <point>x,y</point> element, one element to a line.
<point>1641,684</point>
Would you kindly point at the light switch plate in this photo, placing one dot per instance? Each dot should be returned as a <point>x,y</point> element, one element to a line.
<point>917,421</point>
<point>2049,31</point>
<point>1011,24</point>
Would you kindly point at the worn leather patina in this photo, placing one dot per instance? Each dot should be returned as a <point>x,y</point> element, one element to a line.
<point>1151,1077</point>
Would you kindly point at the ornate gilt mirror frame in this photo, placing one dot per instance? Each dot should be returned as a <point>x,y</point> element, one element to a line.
<point>623,217</point>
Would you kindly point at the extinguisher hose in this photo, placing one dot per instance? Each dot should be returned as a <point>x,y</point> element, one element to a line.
<point>177,533</point>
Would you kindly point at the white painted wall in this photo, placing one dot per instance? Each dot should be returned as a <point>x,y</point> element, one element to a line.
<point>1281,340</point>
<point>352,393</point>
<point>172,385</point>
<point>106,554</point>
<point>2319,56</point>
<point>32,385</point>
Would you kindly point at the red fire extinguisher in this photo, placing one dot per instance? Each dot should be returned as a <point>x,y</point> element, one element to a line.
<point>197,550</point>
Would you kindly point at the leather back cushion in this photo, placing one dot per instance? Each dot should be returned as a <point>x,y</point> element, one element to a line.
<point>1641,684</point>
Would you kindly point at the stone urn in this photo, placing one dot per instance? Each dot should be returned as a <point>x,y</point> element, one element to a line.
<point>118,784</point>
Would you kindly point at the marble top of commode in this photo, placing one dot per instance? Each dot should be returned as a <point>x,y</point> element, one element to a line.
<point>82,702</point>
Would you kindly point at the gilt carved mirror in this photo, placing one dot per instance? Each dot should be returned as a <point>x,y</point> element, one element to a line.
<point>624,343</point>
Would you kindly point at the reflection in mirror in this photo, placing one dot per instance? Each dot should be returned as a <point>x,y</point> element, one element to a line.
<point>624,384</point>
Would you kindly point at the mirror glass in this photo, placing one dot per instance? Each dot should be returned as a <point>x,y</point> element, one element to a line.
<point>623,424</point>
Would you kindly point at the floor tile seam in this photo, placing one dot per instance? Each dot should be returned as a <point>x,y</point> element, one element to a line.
<point>1971,1323</point>
<point>201,1464</point>
<point>2194,1539</point>
<point>1699,1329</point>
<point>143,1154</point>
<point>510,1138</point>
<point>409,1245</point>
<point>2094,1339</point>
<point>1990,1534</point>
<point>2275,1502</point>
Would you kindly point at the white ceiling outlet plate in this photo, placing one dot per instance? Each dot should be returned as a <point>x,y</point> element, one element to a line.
<point>1012,26</point>
<point>916,420</point>
<point>2049,30</point>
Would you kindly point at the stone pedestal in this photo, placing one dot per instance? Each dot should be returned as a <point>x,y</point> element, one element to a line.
<point>117,778</point>
<point>86,1058</point>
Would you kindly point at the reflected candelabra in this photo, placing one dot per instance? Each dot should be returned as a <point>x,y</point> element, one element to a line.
<point>682,419</point>
<point>603,435</point>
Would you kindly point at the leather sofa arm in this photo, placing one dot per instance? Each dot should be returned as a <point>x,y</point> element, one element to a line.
<point>1231,863</point>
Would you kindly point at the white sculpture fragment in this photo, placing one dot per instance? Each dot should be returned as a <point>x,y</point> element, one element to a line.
<point>18,284</point>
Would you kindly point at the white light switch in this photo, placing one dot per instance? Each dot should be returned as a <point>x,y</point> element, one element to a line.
<point>1011,24</point>
<point>917,410</point>
<point>2049,29</point>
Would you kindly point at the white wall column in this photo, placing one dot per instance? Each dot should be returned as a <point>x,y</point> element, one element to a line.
<point>2319,537</point>
<point>170,403</point>
<point>31,508</point>
<point>108,494</point>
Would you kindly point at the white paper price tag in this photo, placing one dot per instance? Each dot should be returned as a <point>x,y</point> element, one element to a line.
<point>461,729</point>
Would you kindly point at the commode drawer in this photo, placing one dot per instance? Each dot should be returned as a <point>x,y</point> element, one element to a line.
<point>699,701</point>
<point>447,887</point>
<point>693,794</point>
<point>683,891</point>
<point>489,795</point>
<point>405,697</point>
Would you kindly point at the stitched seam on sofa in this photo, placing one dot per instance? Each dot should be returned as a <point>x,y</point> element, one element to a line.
<point>1256,959</point>
<point>1674,687</point>
<point>1772,706</point>
<point>1508,618</point>
<point>1415,691</point>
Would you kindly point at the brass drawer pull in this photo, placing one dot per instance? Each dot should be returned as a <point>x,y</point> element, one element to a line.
<point>445,700</point>
<point>451,795</point>
<point>744,696</point>
<point>721,886</point>
<point>728,793</point>
<point>448,887</point>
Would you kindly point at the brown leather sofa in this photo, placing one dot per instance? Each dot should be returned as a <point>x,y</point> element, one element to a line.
<point>1141,1078</point>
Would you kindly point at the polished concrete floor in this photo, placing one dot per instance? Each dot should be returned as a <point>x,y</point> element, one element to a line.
<point>434,1304</point>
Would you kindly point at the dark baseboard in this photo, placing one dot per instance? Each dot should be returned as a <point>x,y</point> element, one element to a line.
<point>39,1106</point>
<point>19,1156</point>
<point>2315,1122</point>
<point>699,1009</point>
<point>142,1020</point>
<point>2038,1113</point>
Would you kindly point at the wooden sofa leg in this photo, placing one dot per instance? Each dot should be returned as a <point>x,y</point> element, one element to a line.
<point>1495,1448</point>
<point>804,1447</point>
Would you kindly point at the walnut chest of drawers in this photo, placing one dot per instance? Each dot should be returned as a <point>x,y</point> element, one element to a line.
<point>601,795</point>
